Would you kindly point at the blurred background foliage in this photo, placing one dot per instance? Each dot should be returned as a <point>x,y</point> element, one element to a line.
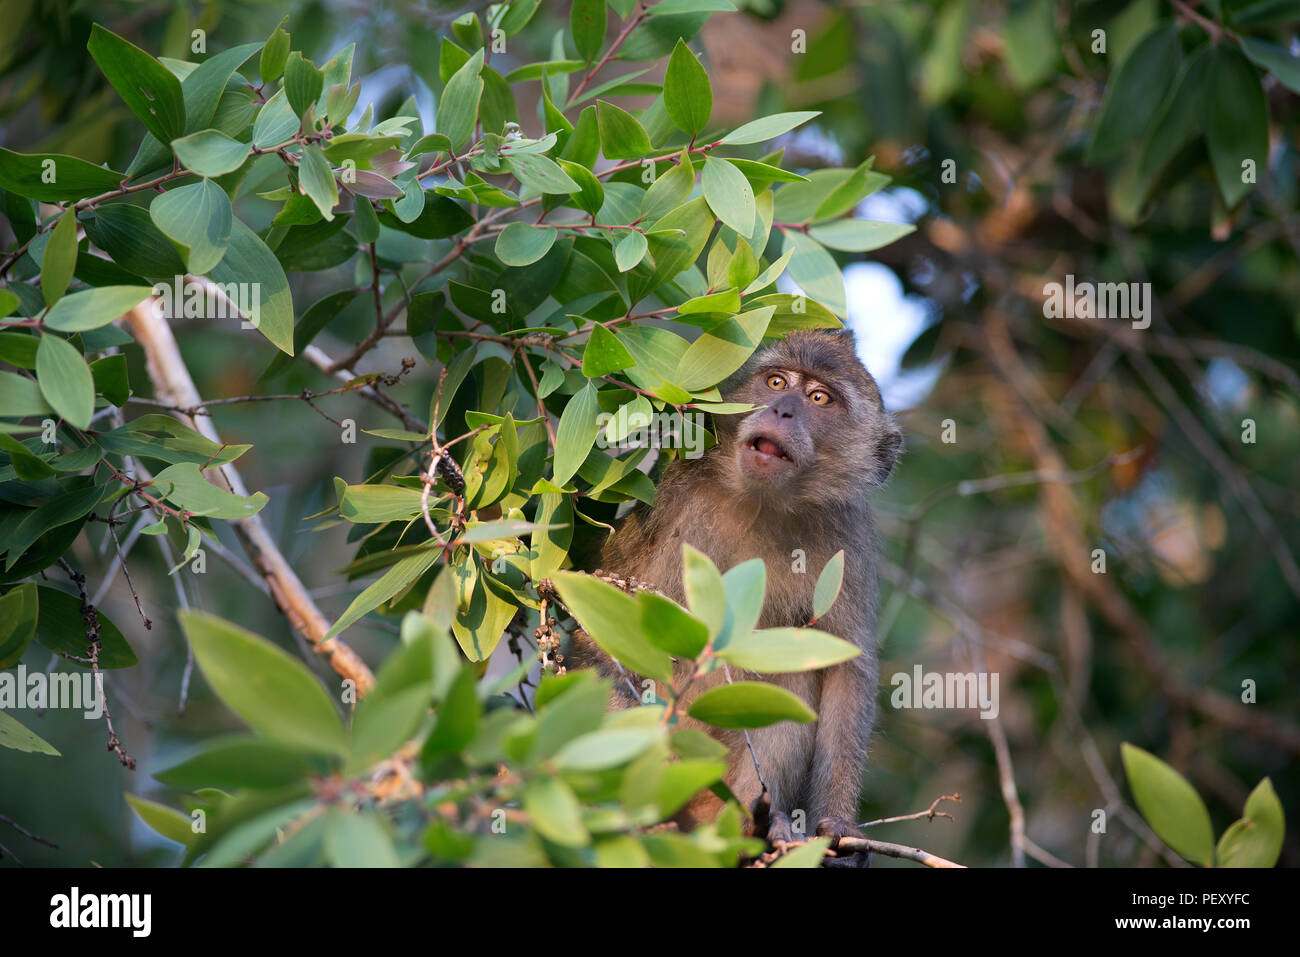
<point>997,123</point>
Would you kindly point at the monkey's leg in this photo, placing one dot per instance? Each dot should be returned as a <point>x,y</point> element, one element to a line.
<point>843,728</point>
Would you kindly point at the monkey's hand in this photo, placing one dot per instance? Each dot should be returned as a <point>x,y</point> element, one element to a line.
<point>836,828</point>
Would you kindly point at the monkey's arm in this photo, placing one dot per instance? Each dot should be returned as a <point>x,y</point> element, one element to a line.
<point>845,716</point>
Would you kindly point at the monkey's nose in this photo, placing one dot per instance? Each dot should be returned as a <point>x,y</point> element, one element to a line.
<point>784,407</point>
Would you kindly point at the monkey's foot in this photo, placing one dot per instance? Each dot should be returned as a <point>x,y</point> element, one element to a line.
<point>780,830</point>
<point>836,828</point>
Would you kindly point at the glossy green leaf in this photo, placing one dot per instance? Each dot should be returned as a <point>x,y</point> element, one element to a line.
<point>1135,92</point>
<point>607,614</point>
<point>779,650</point>
<point>587,24</point>
<point>317,180</point>
<point>248,260</point>
<point>729,195</point>
<point>749,704</point>
<point>829,583</point>
<point>59,259</point>
<point>604,354</point>
<point>274,694</point>
<point>210,152</point>
<point>621,136</point>
<point>147,87</point>
<point>93,308</point>
<point>768,127</point>
<point>576,433</point>
<point>1235,121</point>
<point>1170,805</point>
<point>198,219</point>
<point>65,380</point>
<point>688,97</point>
<point>458,107</point>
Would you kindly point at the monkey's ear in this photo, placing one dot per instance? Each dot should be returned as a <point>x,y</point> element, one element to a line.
<point>888,447</point>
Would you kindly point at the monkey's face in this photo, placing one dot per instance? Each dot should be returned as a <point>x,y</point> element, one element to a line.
<point>822,433</point>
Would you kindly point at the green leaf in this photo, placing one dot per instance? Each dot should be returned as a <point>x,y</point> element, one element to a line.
<point>723,349</point>
<point>210,152</point>
<point>303,82</point>
<point>591,194</point>
<point>65,380</point>
<point>19,609</point>
<point>1235,121</point>
<point>162,437</point>
<point>829,583</point>
<point>705,592</point>
<point>621,136</point>
<point>726,301</point>
<point>746,587</point>
<point>458,717</point>
<point>276,122</point>
<point>168,822</point>
<point>239,761</point>
<point>576,433</point>
<point>248,260</point>
<point>54,177</point>
<point>541,174</point>
<point>768,127</point>
<point>192,492</point>
<point>809,855</point>
<point>60,258</point>
<point>385,587</point>
<point>521,244</point>
<point>147,87</point>
<point>846,195</point>
<point>1177,124</point>
<point>669,626</point>
<point>20,396</point>
<point>630,250</point>
<point>749,704</point>
<point>587,23</point>
<point>668,8</point>
<point>729,195</point>
<point>274,694</point>
<point>859,235</point>
<point>608,616</point>
<point>458,106</point>
<point>198,219</point>
<point>670,190</point>
<point>1170,805</point>
<point>688,97</point>
<point>604,354</point>
<point>1135,92</point>
<point>550,804</point>
<point>16,736</point>
<point>60,628</point>
<point>357,839</point>
<point>317,180</point>
<point>816,271</point>
<point>607,748</point>
<point>93,308</point>
<point>368,504</point>
<point>1256,839</point>
<point>274,54</point>
<point>781,650</point>
<point>1276,60</point>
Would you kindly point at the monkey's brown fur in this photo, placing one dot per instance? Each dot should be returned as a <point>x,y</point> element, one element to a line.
<point>737,503</point>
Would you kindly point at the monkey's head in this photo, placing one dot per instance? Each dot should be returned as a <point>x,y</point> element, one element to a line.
<point>822,433</point>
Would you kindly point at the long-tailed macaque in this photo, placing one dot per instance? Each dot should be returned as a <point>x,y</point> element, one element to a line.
<point>786,483</point>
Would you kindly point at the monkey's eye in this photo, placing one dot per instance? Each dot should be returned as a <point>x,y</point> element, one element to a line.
<point>819,397</point>
<point>776,382</point>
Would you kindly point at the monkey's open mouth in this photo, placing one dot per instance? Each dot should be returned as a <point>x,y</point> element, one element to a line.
<point>765,446</point>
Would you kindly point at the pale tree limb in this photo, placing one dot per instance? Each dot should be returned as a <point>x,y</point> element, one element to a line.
<point>174,385</point>
<point>854,845</point>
